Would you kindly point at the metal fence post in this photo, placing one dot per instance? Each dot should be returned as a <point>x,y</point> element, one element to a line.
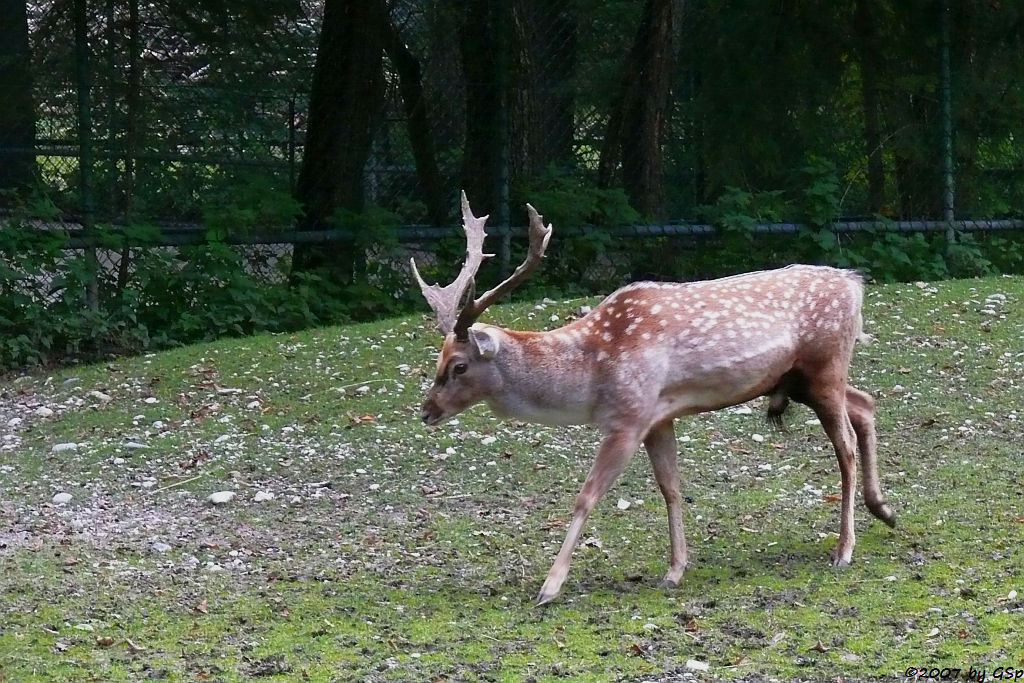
<point>291,144</point>
<point>504,214</point>
<point>945,90</point>
<point>85,151</point>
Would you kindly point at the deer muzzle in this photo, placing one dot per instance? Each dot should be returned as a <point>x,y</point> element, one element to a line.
<point>431,413</point>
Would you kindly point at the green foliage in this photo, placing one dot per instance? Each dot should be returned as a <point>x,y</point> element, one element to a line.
<point>567,199</point>
<point>578,259</point>
<point>379,284</point>
<point>246,204</point>
<point>817,184</point>
<point>881,253</point>
<point>169,297</point>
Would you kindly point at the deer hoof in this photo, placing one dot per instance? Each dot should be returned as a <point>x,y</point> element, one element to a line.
<point>886,514</point>
<point>673,578</point>
<point>839,562</point>
<point>545,598</point>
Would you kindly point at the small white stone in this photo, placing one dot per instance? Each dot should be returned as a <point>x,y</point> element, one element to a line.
<point>363,389</point>
<point>14,422</point>
<point>695,665</point>
<point>1012,595</point>
<point>151,400</point>
<point>623,504</point>
<point>62,447</point>
<point>135,445</point>
<point>222,438</point>
<point>101,397</point>
<point>160,547</point>
<point>898,389</point>
<point>118,461</point>
<point>757,437</point>
<point>43,411</point>
<point>488,440</point>
<point>62,498</point>
<point>252,404</point>
<point>220,497</point>
<point>263,496</point>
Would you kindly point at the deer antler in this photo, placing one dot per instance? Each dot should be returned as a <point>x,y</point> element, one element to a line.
<point>539,236</point>
<point>445,300</point>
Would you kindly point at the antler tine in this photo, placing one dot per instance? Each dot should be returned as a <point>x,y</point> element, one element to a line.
<point>445,300</point>
<point>539,236</point>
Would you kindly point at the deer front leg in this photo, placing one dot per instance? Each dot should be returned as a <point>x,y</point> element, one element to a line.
<point>615,451</point>
<point>661,449</point>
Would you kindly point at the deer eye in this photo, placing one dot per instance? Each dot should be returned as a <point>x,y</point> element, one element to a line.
<point>460,368</point>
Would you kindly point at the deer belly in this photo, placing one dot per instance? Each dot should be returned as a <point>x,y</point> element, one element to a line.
<point>549,413</point>
<point>715,386</point>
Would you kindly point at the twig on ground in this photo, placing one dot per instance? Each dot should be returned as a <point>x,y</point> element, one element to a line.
<point>177,483</point>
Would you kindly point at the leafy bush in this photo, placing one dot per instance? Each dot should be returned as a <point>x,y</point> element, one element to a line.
<point>169,298</point>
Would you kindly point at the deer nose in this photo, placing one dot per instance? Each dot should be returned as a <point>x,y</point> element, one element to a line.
<point>429,413</point>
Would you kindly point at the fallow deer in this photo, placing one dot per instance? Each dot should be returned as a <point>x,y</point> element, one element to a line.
<point>653,351</point>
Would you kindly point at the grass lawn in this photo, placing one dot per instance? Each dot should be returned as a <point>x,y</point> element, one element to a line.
<point>362,546</point>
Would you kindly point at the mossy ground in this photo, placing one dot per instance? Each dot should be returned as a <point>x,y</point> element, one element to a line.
<point>394,552</point>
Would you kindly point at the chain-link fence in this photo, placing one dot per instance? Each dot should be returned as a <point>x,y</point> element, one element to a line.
<point>170,125</point>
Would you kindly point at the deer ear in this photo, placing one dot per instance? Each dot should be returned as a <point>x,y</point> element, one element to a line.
<point>486,343</point>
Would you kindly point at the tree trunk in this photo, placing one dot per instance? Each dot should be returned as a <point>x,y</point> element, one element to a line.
<point>345,106</point>
<point>482,63</point>
<point>410,84</point>
<point>868,52</point>
<point>637,122</point>
<point>17,111</point>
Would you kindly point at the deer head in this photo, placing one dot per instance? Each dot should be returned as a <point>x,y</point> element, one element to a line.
<point>465,372</point>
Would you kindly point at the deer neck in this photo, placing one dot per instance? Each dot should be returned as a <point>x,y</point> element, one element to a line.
<point>543,377</point>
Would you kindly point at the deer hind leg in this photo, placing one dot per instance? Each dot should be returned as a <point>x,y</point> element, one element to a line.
<point>827,397</point>
<point>614,452</point>
<point>660,443</point>
<point>861,409</point>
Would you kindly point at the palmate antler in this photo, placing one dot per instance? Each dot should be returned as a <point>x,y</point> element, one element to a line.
<point>445,300</point>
